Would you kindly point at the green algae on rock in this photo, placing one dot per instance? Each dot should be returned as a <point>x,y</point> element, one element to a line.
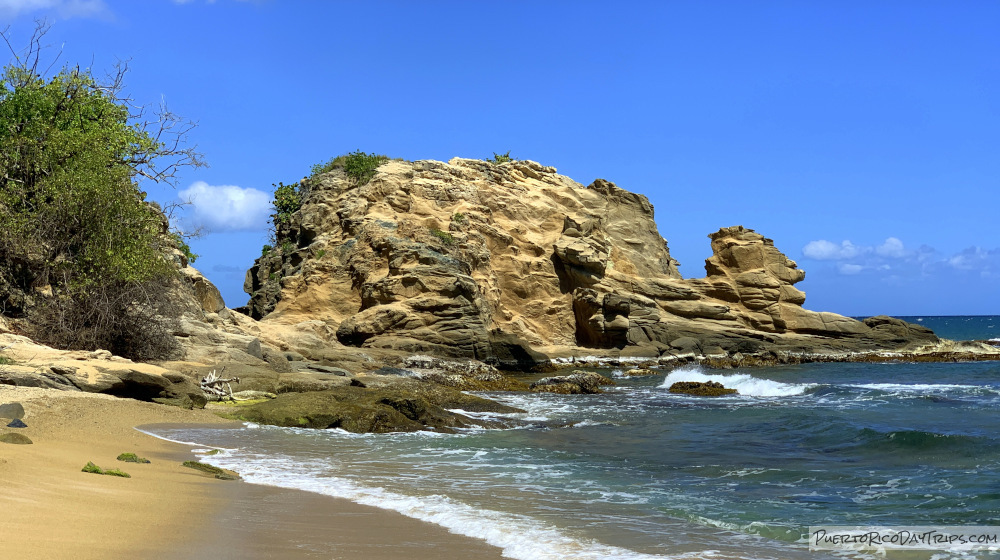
<point>15,438</point>
<point>221,474</point>
<point>132,458</point>
<point>698,389</point>
<point>399,406</point>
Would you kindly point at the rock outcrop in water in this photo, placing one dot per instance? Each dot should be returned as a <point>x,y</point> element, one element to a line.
<point>701,389</point>
<point>512,262</point>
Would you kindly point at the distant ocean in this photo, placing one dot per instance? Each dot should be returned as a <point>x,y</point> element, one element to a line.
<point>640,473</point>
<point>960,327</point>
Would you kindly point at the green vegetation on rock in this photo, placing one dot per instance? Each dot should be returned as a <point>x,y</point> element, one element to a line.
<point>500,158</point>
<point>5,361</point>
<point>287,201</point>
<point>183,246</point>
<point>444,236</point>
<point>358,165</point>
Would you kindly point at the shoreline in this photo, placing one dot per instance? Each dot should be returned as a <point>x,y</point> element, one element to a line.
<point>167,511</point>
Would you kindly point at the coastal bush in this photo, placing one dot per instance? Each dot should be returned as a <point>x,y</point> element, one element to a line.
<point>458,218</point>
<point>5,361</point>
<point>287,201</point>
<point>131,319</point>
<point>362,167</point>
<point>183,247</point>
<point>80,248</point>
<point>357,165</point>
<point>500,158</point>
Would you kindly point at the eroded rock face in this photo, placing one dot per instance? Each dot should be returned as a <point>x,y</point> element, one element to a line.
<point>479,260</point>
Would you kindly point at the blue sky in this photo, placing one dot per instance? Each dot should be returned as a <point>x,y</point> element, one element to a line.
<point>863,137</point>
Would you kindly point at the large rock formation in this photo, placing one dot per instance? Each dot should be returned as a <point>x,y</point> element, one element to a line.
<point>495,261</point>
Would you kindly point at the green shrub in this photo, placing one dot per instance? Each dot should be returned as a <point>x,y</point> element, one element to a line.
<point>132,458</point>
<point>72,216</point>
<point>357,165</point>
<point>444,236</point>
<point>5,361</point>
<point>287,201</point>
<point>287,246</point>
<point>458,218</point>
<point>183,246</point>
<point>361,166</point>
<point>265,250</point>
<point>117,472</point>
<point>321,253</point>
<point>328,166</point>
<point>500,158</point>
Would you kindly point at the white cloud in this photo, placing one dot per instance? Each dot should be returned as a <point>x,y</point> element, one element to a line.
<point>823,250</point>
<point>976,258</point>
<point>892,260</point>
<point>227,207</point>
<point>892,248</point>
<point>65,8</point>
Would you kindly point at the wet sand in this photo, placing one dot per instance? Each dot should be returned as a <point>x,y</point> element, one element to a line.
<point>52,510</point>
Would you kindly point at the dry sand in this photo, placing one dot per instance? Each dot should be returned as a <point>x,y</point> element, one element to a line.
<point>52,510</point>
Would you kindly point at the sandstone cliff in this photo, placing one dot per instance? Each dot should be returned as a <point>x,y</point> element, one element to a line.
<point>497,261</point>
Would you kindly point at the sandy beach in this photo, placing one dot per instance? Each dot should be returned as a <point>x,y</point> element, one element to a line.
<point>55,511</point>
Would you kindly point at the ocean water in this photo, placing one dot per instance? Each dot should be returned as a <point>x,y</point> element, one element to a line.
<point>960,327</point>
<point>640,473</point>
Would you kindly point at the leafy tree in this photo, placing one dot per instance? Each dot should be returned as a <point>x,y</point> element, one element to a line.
<point>74,224</point>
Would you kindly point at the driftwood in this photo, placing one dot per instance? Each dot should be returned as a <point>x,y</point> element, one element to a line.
<point>215,386</point>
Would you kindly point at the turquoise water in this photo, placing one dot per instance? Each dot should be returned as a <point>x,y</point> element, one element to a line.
<point>638,472</point>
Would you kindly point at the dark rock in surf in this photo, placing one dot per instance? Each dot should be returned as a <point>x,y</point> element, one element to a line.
<point>699,389</point>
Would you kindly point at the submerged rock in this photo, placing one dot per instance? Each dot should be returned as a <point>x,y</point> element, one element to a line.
<point>699,389</point>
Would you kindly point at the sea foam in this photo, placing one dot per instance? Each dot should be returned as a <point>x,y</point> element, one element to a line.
<point>520,537</point>
<point>745,384</point>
